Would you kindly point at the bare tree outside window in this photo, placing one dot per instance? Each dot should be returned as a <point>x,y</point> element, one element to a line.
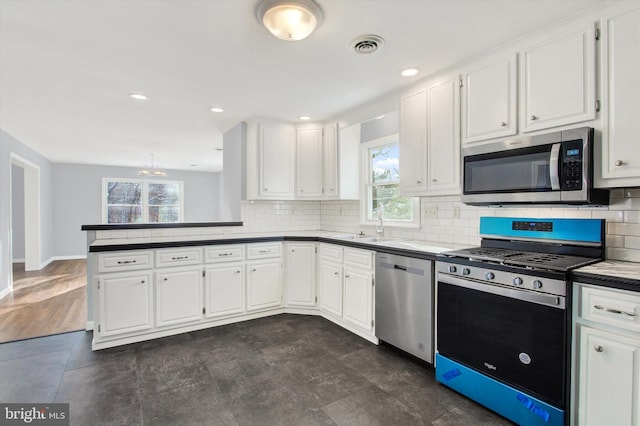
<point>142,201</point>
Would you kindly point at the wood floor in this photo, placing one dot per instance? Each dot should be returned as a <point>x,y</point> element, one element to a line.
<point>50,301</point>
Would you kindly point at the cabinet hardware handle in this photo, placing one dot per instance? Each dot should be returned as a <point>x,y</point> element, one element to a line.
<point>253,270</point>
<point>237,272</point>
<point>619,163</point>
<point>225,254</point>
<point>598,348</point>
<point>266,189</point>
<point>503,124</point>
<point>614,311</point>
<point>533,117</point>
<point>179,257</point>
<point>418,182</point>
<point>264,251</point>
<point>166,279</point>
<point>346,276</point>
<point>124,262</point>
<point>142,282</point>
<point>434,180</point>
<point>336,273</point>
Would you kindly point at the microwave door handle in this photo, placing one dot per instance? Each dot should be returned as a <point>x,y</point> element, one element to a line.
<point>554,159</point>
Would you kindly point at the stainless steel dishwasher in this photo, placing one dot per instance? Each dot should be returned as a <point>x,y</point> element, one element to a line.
<point>404,304</point>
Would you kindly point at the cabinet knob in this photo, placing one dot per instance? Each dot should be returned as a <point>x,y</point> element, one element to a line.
<point>346,276</point>
<point>253,270</point>
<point>142,282</point>
<point>619,163</point>
<point>434,180</point>
<point>533,117</point>
<point>598,348</point>
<point>418,182</point>
<point>166,279</point>
<point>266,189</point>
<point>238,271</point>
<point>331,189</point>
<point>335,273</point>
<point>302,190</point>
<point>503,124</point>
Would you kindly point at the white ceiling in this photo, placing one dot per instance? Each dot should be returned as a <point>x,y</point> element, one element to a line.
<point>66,68</point>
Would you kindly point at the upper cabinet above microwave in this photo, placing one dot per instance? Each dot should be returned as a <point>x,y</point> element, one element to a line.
<point>557,80</point>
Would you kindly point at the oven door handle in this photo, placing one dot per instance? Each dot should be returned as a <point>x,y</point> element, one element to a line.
<point>513,293</point>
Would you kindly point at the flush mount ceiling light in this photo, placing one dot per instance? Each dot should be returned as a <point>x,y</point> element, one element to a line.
<point>151,172</point>
<point>290,20</point>
<point>304,117</point>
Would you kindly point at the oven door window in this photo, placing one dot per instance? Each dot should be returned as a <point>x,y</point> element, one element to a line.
<point>517,170</point>
<point>520,343</point>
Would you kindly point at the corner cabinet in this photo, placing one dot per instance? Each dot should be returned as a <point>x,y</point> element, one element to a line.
<point>621,91</point>
<point>558,83</point>
<point>606,356</point>
<point>300,262</point>
<point>489,99</point>
<point>430,139</point>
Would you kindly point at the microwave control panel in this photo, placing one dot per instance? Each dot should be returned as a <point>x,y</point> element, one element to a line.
<point>571,166</point>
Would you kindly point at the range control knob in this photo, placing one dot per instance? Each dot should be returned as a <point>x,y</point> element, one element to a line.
<point>452,269</point>
<point>537,284</point>
<point>466,271</point>
<point>517,281</point>
<point>489,275</point>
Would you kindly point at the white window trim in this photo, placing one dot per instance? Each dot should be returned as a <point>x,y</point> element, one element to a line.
<point>365,201</point>
<point>145,196</point>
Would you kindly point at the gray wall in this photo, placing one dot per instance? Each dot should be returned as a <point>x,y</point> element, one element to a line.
<point>8,145</point>
<point>17,212</point>
<point>379,128</point>
<point>78,200</point>
<point>233,172</point>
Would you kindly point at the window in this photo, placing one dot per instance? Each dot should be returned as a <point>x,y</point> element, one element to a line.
<point>381,176</point>
<point>141,201</point>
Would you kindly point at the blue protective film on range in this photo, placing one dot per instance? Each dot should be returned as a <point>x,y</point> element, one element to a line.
<point>577,230</point>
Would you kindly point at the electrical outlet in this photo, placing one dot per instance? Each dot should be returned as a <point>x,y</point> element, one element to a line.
<point>456,212</point>
<point>431,212</point>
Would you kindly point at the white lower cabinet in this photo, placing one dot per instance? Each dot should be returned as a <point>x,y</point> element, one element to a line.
<point>345,280</point>
<point>606,356</point>
<point>125,304</point>
<point>358,295</point>
<point>264,284</point>
<point>224,290</point>
<point>178,295</point>
<point>300,263</point>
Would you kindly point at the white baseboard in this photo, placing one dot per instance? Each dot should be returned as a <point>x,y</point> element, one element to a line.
<point>89,326</point>
<point>18,260</point>
<point>5,292</point>
<point>55,258</point>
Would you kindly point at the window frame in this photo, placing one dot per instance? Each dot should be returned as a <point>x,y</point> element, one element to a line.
<point>144,196</point>
<point>366,201</point>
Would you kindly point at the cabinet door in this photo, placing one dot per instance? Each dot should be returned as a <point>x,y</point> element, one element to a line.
<point>224,290</point>
<point>330,162</point>
<point>558,80</point>
<point>264,285</point>
<point>621,71</point>
<point>413,143</point>
<point>178,296</point>
<point>489,100</point>
<point>309,163</point>
<point>125,303</point>
<point>277,161</point>
<point>443,149</point>
<point>358,297</point>
<point>330,287</point>
<point>301,274</point>
<point>609,374</point>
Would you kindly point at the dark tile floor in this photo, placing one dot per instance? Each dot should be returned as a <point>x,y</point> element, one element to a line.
<point>280,370</point>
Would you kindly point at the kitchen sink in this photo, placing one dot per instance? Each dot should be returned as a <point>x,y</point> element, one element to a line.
<point>373,239</point>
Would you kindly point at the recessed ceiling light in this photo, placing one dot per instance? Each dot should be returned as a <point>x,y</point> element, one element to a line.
<point>304,117</point>
<point>138,96</point>
<point>217,109</point>
<point>409,72</point>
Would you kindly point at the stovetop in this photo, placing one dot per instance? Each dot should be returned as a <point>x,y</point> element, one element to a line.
<point>535,260</point>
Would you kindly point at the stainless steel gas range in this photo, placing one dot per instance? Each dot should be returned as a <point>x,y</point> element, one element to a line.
<point>502,320</point>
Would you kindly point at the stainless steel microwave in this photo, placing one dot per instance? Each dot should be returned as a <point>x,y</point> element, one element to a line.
<point>552,168</point>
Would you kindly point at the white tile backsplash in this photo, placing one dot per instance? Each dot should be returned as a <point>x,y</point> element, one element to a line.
<point>454,222</point>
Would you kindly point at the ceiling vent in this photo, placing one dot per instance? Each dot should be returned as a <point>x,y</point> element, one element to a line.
<point>367,44</point>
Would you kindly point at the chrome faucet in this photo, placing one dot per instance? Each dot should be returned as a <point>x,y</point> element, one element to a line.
<point>380,226</point>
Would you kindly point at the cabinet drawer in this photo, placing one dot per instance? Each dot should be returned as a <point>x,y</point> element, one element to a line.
<point>331,253</point>
<point>178,257</point>
<point>260,251</point>
<point>360,258</point>
<point>217,254</point>
<point>125,261</point>
<point>612,307</point>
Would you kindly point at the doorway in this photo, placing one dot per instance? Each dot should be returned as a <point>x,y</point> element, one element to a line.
<point>28,203</point>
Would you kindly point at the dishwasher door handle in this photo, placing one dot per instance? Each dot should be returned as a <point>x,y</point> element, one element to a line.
<point>402,268</point>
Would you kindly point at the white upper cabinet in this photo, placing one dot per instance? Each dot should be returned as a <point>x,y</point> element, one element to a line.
<point>330,162</point>
<point>276,156</point>
<point>309,167</point>
<point>558,81</point>
<point>489,99</point>
<point>443,136</point>
<point>348,162</point>
<point>621,95</point>
<point>413,143</point>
